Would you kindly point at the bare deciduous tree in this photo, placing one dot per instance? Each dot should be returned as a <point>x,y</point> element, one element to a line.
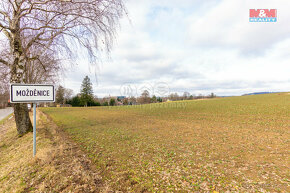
<point>68,93</point>
<point>4,85</point>
<point>145,97</point>
<point>43,30</point>
<point>186,95</point>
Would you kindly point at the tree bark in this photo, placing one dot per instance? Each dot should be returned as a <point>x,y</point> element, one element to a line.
<point>22,119</point>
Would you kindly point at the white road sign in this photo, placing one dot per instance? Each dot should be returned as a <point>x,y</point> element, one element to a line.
<point>31,93</point>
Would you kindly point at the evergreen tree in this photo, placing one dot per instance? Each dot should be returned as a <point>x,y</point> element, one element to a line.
<point>86,91</point>
<point>154,99</point>
<point>112,102</point>
<point>76,101</point>
<point>159,99</point>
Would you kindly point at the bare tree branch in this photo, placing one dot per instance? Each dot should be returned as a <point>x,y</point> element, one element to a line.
<point>4,62</point>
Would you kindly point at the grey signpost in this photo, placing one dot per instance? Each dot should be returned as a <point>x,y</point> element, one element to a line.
<point>32,93</point>
<point>34,129</point>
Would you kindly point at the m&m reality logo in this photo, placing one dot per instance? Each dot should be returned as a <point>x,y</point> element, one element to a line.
<point>263,15</point>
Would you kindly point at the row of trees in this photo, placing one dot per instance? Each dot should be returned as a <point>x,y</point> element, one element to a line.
<point>86,97</point>
<point>188,96</point>
<point>146,99</point>
<point>78,101</point>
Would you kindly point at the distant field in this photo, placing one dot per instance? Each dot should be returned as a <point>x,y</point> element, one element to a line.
<point>236,144</point>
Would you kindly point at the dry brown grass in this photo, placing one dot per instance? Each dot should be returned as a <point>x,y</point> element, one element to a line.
<point>60,166</point>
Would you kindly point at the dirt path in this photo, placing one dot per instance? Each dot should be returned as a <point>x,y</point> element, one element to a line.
<point>5,112</point>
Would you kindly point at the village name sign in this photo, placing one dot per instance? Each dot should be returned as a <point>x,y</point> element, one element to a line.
<point>26,93</point>
<point>32,93</point>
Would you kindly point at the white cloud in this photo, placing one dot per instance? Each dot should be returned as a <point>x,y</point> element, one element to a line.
<point>197,46</point>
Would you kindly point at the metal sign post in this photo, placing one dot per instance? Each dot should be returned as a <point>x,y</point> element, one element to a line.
<point>34,129</point>
<point>32,93</point>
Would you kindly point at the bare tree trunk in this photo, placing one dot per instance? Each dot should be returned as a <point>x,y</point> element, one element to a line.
<point>22,119</point>
<point>23,123</point>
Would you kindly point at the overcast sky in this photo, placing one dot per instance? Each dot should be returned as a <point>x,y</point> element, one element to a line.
<point>199,46</point>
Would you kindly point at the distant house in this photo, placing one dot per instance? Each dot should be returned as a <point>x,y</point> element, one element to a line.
<point>119,103</point>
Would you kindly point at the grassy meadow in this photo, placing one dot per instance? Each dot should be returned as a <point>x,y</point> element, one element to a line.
<point>223,144</point>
